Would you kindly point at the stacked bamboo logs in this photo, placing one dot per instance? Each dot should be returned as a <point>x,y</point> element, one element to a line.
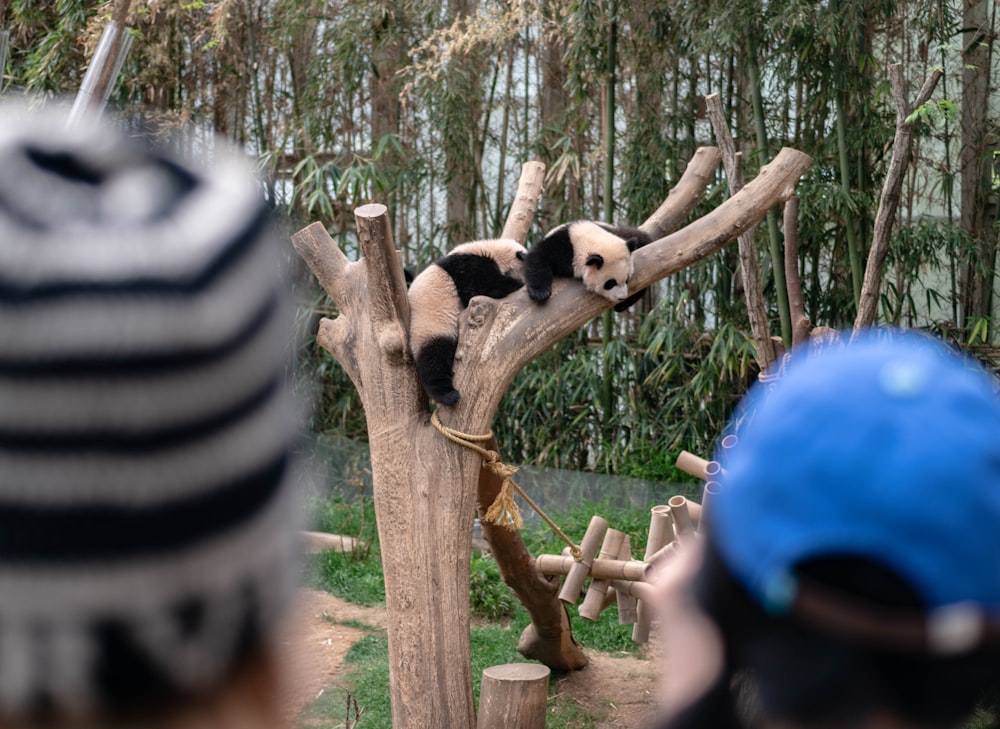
<point>606,557</point>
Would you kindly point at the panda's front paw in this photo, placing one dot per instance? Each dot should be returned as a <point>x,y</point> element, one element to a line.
<point>448,398</point>
<point>538,293</point>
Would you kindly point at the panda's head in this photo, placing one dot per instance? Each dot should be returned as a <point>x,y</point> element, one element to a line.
<point>601,259</point>
<point>507,252</point>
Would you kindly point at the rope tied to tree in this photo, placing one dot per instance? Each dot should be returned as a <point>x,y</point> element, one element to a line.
<point>503,511</point>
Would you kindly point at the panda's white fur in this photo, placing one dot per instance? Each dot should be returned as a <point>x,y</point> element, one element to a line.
<point>598,254</point>
<point>493,268</point>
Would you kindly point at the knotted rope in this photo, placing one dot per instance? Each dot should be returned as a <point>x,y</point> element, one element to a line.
<point>503,511</point>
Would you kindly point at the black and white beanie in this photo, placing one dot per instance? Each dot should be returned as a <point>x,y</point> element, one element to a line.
<point>147,530</point>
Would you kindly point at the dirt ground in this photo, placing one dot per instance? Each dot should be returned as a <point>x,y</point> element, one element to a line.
<point>621,689</point>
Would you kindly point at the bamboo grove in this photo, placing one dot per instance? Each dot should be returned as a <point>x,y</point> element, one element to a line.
<point>431,108</point>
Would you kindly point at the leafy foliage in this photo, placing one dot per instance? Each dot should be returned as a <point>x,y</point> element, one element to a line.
<point>431,109</point>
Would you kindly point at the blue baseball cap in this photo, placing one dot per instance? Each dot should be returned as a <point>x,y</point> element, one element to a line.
<point>887,449</point>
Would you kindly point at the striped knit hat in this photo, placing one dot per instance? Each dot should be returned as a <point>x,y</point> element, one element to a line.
<point>146,520</point>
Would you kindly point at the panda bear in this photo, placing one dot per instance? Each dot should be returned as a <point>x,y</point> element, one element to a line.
<point>598,254</point>
<point>440,292</point>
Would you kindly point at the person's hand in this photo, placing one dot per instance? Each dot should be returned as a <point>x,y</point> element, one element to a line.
<point>688,644</point>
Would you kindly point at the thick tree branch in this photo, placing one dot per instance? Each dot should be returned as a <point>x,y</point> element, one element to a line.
<point>522,210</point>
<point>682,199</point>
<point>325,259</point>
<point>749,259</point>
<point>796,305</point>
<point>891,190</point>
<point>549,636</point>
<point>335,273</point>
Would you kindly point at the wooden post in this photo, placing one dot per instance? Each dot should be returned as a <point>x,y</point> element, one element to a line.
<point>513,696</point>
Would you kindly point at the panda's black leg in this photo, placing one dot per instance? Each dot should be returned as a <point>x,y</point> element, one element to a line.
<point>538,279</point>
<point>435,362</point>
<point>625,304</point>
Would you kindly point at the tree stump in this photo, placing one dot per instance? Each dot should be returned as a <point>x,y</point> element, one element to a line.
<point>513,696</point>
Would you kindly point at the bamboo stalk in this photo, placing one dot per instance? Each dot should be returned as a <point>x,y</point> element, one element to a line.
<point>627,604</point>
<point>594,600</point>
<point>104,67</point>
<point>578,572</point>
<point>692,464</point>
<point>709,493</point>
<point>661,534</point>
<point>685,514</point>
<point>4,45</point>
<point>600,568</point>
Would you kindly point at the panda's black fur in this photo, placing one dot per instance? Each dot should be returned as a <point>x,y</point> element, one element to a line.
<point>598,254</point>
<point>438,295</point>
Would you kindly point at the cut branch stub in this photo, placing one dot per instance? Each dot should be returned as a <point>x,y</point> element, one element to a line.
<point>522,210</point>
<point>338,276</point>
<point>389,308</point>
<point>325,259</point>
<point>682,199</point>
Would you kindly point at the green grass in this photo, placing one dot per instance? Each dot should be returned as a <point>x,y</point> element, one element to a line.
<point>344,575</point>
<point>489,596</point>
<point>361,700</point>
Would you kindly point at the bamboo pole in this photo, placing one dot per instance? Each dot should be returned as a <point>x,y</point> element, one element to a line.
<point>600,568</point>
<point>709,493</point>
<point>104,67</point>
<point>661,533</point>
<point>627,605</point>
<point>594,600</point>
<point>578,572</point>
<point>4,45</point>
<point>692,464</point>
<point>685,514</point>
<point>4,41</point>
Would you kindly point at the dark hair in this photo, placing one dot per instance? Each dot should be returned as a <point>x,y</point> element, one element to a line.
<point>806,675</point>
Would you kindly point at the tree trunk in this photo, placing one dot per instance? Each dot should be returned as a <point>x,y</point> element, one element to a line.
<point>974,155</point>
<point>462,109</point>
<point>425,485</point>
<point>891,190</point>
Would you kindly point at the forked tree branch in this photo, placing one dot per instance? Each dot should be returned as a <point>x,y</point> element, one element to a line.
<point>498,338</point>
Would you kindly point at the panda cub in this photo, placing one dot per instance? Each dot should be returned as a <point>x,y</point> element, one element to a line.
<point>598,254</point>
<point>493,268</point>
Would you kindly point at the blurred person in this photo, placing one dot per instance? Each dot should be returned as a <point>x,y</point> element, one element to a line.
<point>147,521</point>
<point>849,570</point>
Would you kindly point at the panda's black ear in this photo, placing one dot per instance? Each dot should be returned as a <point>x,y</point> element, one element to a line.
<point>596,260</point>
